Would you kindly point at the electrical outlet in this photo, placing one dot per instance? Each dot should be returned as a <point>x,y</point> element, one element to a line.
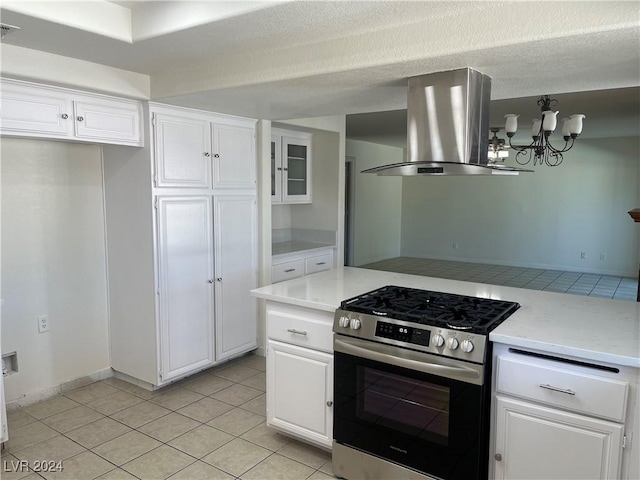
<point>603,256</point>
<point>455,245</point>
<point>43,323</point>
<point>583,255</point>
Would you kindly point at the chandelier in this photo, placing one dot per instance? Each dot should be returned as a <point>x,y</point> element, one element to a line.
<point>540,150</point>
<point>497,149</point>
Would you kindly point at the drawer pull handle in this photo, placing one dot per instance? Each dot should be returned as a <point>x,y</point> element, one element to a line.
<point>329,403</point>
<point>321,263</point>
<point>556,389</point>
<point>289,270</point>
<point>297,332</point>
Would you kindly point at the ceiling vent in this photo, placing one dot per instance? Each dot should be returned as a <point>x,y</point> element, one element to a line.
<point>6,29</point>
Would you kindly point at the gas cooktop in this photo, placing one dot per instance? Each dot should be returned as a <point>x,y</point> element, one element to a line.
<point>446,310</point>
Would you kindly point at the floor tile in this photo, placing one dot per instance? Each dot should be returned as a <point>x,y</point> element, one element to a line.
<point>256,362</point>
<point>86,465</point>
<point>266,437</point>
<point>131,388</point>
<point>259,382</point>
<point>91,392</point>
<point>205,409</point>
<point>114,403</point>
<point>53,406</point>
<point>18,418</point>
<point>12,469</point>
<point>160,463</point>
<point>236,422</point>
<point>98,432</point>
<point>56,449</point>
<point>237,456</point>
<point>318,475</point>
<point>127,447</point>
<point>140,414</point>
<point>168,427</point>
<point>176,398</point>
<point>28,435</point>
<point>72,419</point>
<point>327,468</point>
<point>201,471</point>
<point>236,394</point>
<point>117,474</point>
<point>201,440</point>
<point>277,467</point>
<point>304,453</point>
<point>208,384</point>
<point>257,405</point>
<point>235,373</point>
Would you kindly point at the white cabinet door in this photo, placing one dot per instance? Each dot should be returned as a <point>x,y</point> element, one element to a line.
<point>300,391</point>
<point>185,277</point>
<point>535,442</point>
<point>107,121</point>
<point>183,152</point>
<point>276,169</point>
<point>296,164</point>
<point>35,111</point>
<point>236,263</point>
<point>234,160</point>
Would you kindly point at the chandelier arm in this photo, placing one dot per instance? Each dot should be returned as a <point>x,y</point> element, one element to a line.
<point>560,150</point>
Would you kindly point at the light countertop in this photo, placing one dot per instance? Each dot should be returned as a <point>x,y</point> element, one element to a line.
<point>592,328</point>
<point>297,246</point>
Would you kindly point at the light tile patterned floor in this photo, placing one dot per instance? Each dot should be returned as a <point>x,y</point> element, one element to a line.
<point>208,426</point>
<point>620,288</point>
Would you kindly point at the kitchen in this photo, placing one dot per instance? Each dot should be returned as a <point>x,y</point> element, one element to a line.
<point>187,77</point>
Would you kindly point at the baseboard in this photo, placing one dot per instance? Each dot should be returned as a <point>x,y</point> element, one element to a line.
<point>47,393</point>
<point>261,351</point>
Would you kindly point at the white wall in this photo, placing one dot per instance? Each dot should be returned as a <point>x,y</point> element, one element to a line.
<point>378,203</point>
<point>542,219</point>
<point>53,263</point>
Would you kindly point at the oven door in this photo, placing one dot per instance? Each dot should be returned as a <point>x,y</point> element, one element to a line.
<point>418,410</point>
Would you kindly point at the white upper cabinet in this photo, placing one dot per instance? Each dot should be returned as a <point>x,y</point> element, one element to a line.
<point>233,158</point>
<point>42,111</point>
<point>290,167</point>
<point>183,152</point>
<point>194,149</point>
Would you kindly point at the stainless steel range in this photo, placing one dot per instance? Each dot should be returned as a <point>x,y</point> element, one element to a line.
<point>412,384</point>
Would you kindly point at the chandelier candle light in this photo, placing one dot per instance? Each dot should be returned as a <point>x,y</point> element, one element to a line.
<point>540,150</point>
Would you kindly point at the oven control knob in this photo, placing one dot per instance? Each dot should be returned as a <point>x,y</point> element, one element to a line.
<point>452,343</point>
<point>438,340</point>
<point>355,324</point>
<point>466,346</point>
<point>344,322</point>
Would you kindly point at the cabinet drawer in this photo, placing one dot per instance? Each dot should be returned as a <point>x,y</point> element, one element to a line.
<point>576,389</point>
<point>318,263</point>
<point>300,326</point>
<point>287,270</point>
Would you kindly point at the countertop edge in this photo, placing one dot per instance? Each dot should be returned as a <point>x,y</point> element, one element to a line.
<point>294,301</point>
<point>557,349</point>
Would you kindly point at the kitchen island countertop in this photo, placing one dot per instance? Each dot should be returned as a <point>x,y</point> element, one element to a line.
<point>591,328</point>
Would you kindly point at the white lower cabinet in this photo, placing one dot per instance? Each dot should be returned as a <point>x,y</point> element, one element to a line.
<point>300,391</point>
<point>536,442</point>
<point>300,372</point>
<point>557,418</point>
<point>185,294</point>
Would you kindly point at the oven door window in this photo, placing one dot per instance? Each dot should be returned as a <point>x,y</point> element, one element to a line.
<point>426,422</point>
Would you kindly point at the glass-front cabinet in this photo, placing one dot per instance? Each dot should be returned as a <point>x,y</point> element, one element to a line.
<point>290,167</point>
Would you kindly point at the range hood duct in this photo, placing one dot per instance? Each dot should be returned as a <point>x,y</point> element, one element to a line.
<point>447,127</point>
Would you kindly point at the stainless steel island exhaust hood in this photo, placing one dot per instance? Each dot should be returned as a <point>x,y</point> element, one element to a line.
<point>447,127</point>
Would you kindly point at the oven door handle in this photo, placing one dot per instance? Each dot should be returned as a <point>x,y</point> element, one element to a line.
<point>377,353</point>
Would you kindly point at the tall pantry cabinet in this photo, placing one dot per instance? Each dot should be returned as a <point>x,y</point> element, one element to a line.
<point>182,244</point>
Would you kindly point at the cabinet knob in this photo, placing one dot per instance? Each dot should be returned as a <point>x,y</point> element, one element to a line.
<point>329,403</point>
<point>217,155</point>
<point>210,281</point>
<point>207,154</point>
<point>64,116</point>
<point>219,279</point>
<point>498,457</point>
<point>80,119</point>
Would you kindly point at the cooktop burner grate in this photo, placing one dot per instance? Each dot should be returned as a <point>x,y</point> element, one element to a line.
<point>446,310</point>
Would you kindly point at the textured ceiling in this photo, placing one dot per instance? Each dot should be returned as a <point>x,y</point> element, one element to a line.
<point>281,60</point>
